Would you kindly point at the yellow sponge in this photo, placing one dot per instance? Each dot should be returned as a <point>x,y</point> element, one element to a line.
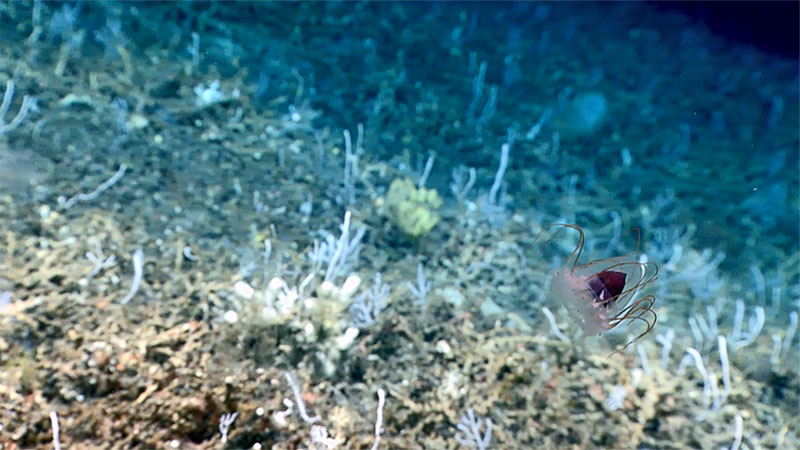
<point>414,211</point>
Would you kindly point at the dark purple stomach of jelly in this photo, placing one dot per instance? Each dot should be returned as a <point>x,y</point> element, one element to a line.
<point>606,286</point>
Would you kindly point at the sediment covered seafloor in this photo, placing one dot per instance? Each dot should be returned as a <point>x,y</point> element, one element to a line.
<point>325,225</point>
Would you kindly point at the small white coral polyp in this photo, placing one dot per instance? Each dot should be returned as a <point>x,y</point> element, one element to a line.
<point>602,294</point>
